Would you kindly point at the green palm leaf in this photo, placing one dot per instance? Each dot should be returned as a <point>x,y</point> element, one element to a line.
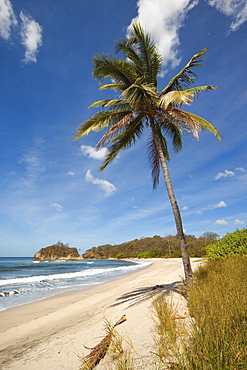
<point>119,71</point>
<point>113,103</point>
<point>186,76</point>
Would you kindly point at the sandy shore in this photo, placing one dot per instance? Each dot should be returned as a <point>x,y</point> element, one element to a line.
<point>49,334</point>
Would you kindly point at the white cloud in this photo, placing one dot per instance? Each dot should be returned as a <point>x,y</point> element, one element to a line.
<point>226,173</point>
<point>105,185</point>
<point>70,173</point>
<point>233,8</point>
<point>31,37</point>
<point>89,151</point>
<point>219,205</point>
<point>30,30</point>
<point>238,222</point>
<point>221,222</point>
<point>33,167</point>
<point>185,208</point>
<point>241,169</point>
<point>57,206</point>
<point>163,19</point>
<point>7,19</point>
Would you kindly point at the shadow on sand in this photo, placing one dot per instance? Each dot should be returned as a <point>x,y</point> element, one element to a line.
<point>139,295</point>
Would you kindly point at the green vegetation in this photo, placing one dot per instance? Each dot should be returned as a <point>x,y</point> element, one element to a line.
<point>218,336</point>
<point>231,244</point>
<point>137,103</point>
<point>153,247</point>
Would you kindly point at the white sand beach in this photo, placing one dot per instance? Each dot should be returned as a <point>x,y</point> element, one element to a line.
<point>49,334</point>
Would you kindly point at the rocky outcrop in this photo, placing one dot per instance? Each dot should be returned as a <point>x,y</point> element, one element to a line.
<point>57,252</point>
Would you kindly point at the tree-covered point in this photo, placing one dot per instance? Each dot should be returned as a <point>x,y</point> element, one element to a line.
<point>152,247</point>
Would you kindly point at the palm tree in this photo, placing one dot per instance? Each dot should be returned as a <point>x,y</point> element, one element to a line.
<point>140,104</point>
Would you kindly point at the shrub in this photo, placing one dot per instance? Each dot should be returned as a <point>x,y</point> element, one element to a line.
<point>154,253</point>
<point>120,255</point>
<point>231,244</point>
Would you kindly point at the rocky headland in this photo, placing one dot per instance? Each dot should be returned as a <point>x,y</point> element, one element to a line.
<point>57,251</point>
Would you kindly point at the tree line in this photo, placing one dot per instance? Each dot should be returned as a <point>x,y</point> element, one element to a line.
<point>153,247</point>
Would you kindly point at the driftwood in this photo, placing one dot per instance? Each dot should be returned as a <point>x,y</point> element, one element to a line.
<point>99,351</point>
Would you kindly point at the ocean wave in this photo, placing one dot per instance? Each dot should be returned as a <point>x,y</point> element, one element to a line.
<point>71,275</point>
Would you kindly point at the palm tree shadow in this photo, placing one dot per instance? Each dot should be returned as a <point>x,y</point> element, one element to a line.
<point>139,295</point>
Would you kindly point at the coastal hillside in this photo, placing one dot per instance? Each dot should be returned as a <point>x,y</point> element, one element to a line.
<point>58,251</point>
<point>152,247</point>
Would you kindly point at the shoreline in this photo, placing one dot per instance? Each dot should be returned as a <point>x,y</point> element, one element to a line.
<point>50,332</point>
<point>136,264</point>
<point>17,315</point>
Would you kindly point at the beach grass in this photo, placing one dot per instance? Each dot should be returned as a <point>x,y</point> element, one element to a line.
<point>217,338</point>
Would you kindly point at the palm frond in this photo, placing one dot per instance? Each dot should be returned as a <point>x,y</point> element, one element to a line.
<point>138,92</point>
<point>198,89</point>
<point>113,103</point>
<point>170,128</point>
<point>115,87</point>
<point>176,97</point>
<point>99,121</point>
<point>115,130</point>
<point>179,97</point>
<point>186,76</point>
<point>127,138</point>
<point>205,125</point>
<point>144,53</point>
<point>130,54</point>
<point>98,352</point>
<point>156,143</point>
<point>118,70</point>
<point>185,121</point>
<point>153,158</point>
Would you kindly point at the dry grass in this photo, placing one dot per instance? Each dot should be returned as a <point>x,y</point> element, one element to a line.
<point>218,305</point>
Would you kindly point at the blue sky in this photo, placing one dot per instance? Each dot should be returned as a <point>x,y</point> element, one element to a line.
<point>50,186</point>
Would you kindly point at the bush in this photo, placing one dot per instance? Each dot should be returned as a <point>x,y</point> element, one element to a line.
<point>154,253</point>
<point>231,244</point>
<point>120,255</point>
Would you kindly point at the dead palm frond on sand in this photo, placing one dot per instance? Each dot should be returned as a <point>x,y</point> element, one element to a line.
<point>99,351</point>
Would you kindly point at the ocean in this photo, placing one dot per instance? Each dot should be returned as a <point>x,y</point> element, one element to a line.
<point>23,280</point>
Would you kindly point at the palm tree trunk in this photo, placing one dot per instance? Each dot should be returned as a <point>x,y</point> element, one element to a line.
<point>178,219</point>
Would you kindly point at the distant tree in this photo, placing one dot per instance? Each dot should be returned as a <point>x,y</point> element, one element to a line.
<point>210,235</point>
<point>140,104</point>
